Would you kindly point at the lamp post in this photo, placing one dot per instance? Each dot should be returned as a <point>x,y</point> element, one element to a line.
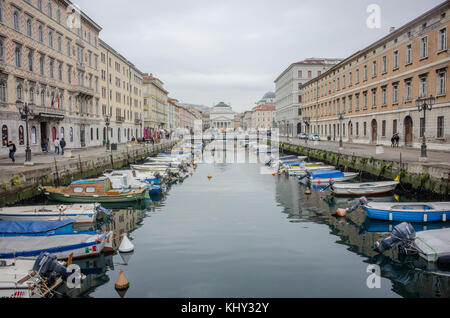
<point>341,118</point>
<point>424,103</point>
<point>107,123</point>
<point>26,112</point>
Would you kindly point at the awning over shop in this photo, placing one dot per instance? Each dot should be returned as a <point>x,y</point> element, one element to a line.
<point>51,116</point>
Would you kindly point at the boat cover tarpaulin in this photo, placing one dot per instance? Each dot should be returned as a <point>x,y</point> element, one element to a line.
<point>32,246</point>
<point>33,227</point>
<point>327,174</point>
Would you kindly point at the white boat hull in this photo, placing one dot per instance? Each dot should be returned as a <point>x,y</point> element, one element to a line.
<point>364,188</point>
<point>325,181</point>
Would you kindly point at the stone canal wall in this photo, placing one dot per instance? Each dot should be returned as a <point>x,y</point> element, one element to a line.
<point>21,183</point>
<point>432,178</point>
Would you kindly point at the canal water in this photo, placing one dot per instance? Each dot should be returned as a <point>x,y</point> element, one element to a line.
<point>247,234</point>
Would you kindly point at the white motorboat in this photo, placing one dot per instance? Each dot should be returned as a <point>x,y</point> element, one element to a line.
<point>300,171</point>
<point>80,213</point>
<point>368,188</point>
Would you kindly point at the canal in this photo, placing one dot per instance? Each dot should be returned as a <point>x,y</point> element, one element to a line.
<point>244,233</point>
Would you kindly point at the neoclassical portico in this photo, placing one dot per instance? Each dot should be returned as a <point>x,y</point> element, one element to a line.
<point>222,116</point>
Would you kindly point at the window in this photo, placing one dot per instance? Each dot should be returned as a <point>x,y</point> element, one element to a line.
<point>33,135</point>
<point>422,127</point>
<point>69,74</point>
<point>395,94</point>
<point>31,95</point>
<point>18,55</point>
<point>350,102</point>
<point>50,38</point>
<point>41,64</point>
<point>424,47</point>
<point>365,100</point>
<point>374,98</point>
<point>408,91</point>
<point>30,60</point>
<point>441,84</point>
<point>394,126</point>
<point>357,129</point>
<point>357,102</point>
<point>3,91</point>
<point>78,190</point>
<point>423,87</point>
<point>309,74</point>
<point>408,54</point>
<point>350,79</point>
<point>51,68</point>
<point>39,5</point>
<point>16,19</point>
<point>5,136</point>
<point>58,15</point>
<point>1,11</point>
<point>90,190</point>
<point>383,128</point>
<point>50,9</point>
<point>442,45</point>
<point>365,129</point>
<point>365,73</point>
<point>395,60</point>
<point>383,96</point>
<point>71,134</point>
<point>300,75</point>
<point>2,49</point>
<point>59,42</point>
<point>357,76</point>
<point>43,98</point>
<point>29,27</point>
<point>21,136</point>
<point>40,33</point>
<point>374,68</point>
<point>384,65</point>
<point>440,127</point>
<point>60,67</point>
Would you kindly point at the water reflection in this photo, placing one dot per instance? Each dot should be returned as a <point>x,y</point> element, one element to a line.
<point>410,276</point>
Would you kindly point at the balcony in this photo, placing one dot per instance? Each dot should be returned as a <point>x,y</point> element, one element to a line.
<point>84,91</point>
<point>49,113</point>
<point>80,66</point>
<point>120,119</point>
<point>138,121</point>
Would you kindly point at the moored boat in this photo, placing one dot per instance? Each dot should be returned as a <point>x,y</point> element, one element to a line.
<point>301,170</point>
<point>80,213</point>
<point>368,188</point>
<point>408,211</point>
<point>92,191</point>
<point>324,177</point>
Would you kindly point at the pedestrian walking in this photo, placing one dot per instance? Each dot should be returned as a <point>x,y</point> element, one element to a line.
<point>393,140</point>
<point>45,146</point>
<point>397,139</point>
<point>12,150</point>
<point>57,146</point>
<point>62,144</point>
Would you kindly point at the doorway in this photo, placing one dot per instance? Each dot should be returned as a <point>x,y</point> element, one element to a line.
<point>374,131</point>
<point>408,124</point>
<point>43,134</point>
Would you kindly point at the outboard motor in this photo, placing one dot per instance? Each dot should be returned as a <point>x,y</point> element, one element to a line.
<point>308,174</point>
<point>103,210</point>
<point>47,267</point>
<point>403,236</point>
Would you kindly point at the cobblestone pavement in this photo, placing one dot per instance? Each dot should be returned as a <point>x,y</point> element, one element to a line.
<point>407,154</point>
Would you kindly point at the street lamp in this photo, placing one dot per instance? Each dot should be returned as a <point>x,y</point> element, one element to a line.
<point>107,123</point>
<point>26,112</point>
<point>341,118</point>
<point>425,103</point>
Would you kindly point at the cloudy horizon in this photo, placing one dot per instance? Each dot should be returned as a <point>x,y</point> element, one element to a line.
<point>232,51</point>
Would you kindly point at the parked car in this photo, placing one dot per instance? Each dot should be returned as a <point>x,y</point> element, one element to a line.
<point>314,137</point>
<point>302,136</point>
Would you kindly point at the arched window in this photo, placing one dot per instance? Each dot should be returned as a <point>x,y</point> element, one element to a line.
<point>61,133</point>
<point>16,20</point>
<point>3,91</point>
<point>19,92</point>
<point>97,133</point>
<point>43,98</point>
<point>71,134</point>
<point>92,133</point>
<point>33,135</point>
<point>31,95</point>
<point>4,135</point>
<point>21,137</point>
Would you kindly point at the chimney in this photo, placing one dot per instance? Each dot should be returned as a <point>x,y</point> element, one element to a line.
<point>391,29</point>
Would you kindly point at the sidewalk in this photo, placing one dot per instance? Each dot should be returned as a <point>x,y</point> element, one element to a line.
<point>42,158</point>
<point>391,154</point>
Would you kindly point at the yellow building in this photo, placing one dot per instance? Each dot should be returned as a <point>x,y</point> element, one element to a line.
<point>121,95</point>
<point>372,94</point>
<point>155,105</point>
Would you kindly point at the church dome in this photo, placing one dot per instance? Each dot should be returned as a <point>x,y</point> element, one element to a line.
<point>222,104</point>
<point>268,95</point>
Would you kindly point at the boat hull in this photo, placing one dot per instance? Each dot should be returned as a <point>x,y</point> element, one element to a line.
<point>407,216</point>
<point>75,198</point>
<point>352,190</point>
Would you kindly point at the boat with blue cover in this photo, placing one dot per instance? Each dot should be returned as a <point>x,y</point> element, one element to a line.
<point>326,176</point>
<point>31,238</point>
<point>408,211</point>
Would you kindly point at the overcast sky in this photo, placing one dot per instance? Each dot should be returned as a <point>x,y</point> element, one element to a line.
<point>207,51</point>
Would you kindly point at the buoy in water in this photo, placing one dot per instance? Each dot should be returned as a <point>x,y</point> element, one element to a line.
<point>121,282</point>
<point>274,174</point>
<point>308,191</point>
<point>126,246</point>
<point>191,173</point>
<point>341,212</point>
<point>209,177</point>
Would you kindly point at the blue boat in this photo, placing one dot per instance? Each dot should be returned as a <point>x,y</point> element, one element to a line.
<point>378,226</point>
<point>35,228</point>
<point>408,211</point>
<point>155,189</point>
